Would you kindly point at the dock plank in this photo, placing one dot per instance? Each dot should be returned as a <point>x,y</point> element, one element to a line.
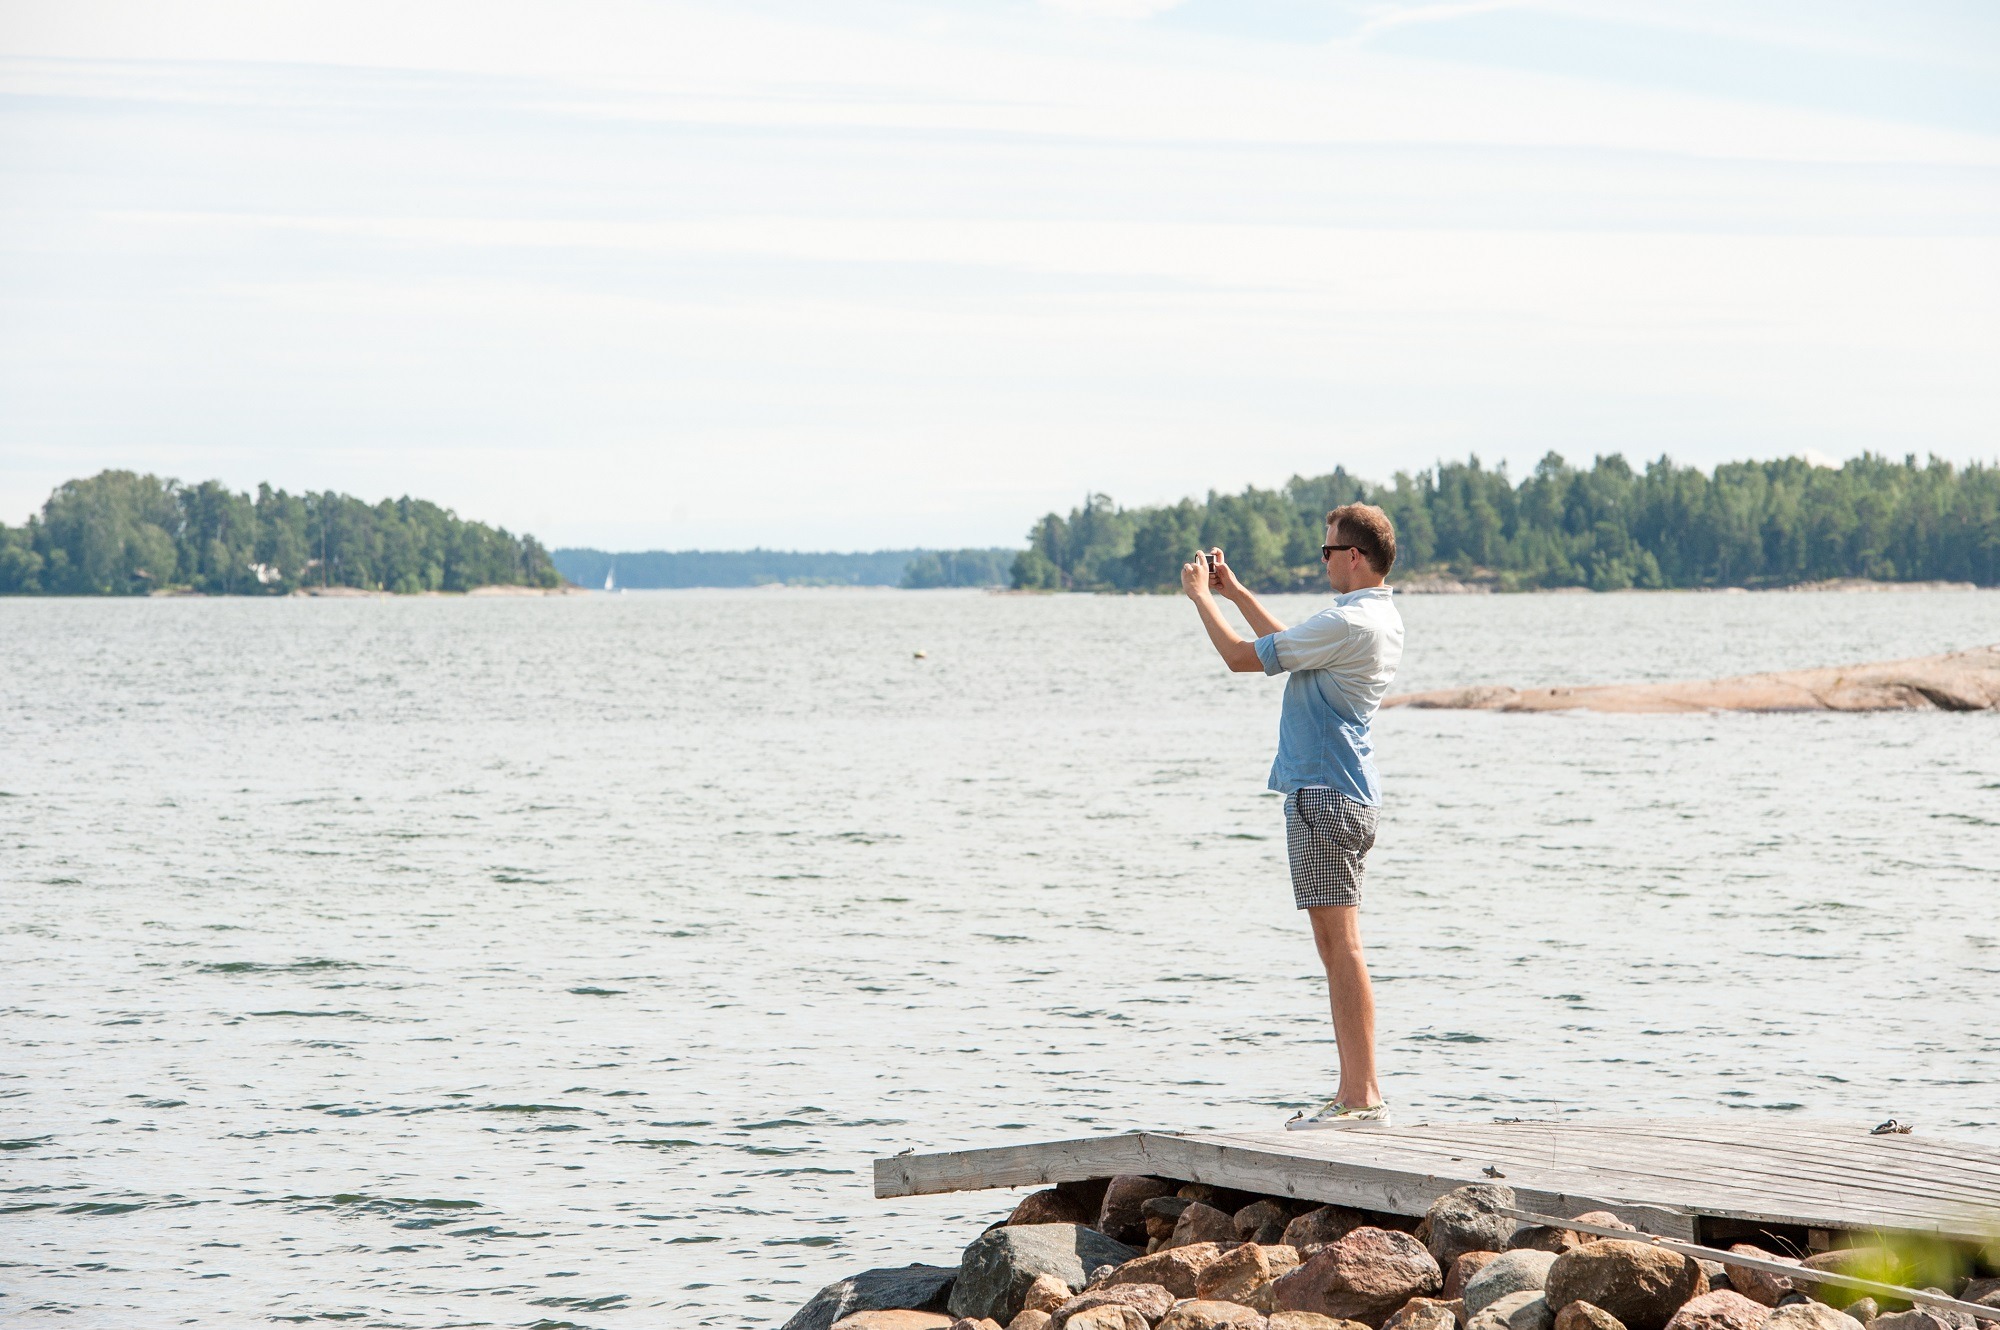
<point>1659,1173</point>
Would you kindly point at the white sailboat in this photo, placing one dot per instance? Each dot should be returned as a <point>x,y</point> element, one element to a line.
<point>610,576</point>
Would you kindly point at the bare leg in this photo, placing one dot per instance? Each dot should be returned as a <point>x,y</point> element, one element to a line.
<point>1337,934</point>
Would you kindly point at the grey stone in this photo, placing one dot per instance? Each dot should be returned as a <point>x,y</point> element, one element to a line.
<point>1469,1219</point>
<point>916,1287</point>
<point>1000,1266</point>
<point>1524,1310</point>
<point>1525,1270</point>
<point>1809,1315</point>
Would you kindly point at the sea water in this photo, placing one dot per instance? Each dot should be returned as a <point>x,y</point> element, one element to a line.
<point>566,961</point>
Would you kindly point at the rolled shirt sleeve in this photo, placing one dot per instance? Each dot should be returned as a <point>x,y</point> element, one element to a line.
<point>1267,651</point>
<point>1311,645</point>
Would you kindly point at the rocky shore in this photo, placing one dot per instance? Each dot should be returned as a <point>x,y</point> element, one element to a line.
<point>1145,1253</point>
<point>1957,681</point>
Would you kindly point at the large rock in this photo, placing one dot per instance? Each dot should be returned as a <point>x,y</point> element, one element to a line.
<point>1863,1262</point>
<point>1047,1293</point>
<point>1050,1207</point>
<point>1364,1277</point>
<point>1263,1222</point>
<point>1525,1310</point>
<point>1511,1272</point>
<point>1916,1318</point>
<point>1469,1219</point>
<point>1149,1300</point>
<point>1296,1320</point>
<point>1985,1292</point>
<point>1029,1319</point>
<point>894,1318</point>
<point>1001,1265</point>
<point>1808,1316</point>
<point>908,1287</point>
<point>1725,1309</point>
<point>1162,1213</point>
<point>1585,1316</point>
<point>1759,1286</point>
<point>1107,1316</point>
<point>983,1323</point>
<point>1238,1274</point>
<point>1423,1314</point>
<point>1328,1223</point>
<point>1176,1269</point>
<point>1464,1269</point>
<point>1122,1215</point>
<point>1640,1284</point>
<point>1204,1223</point>
<point>1203,1314</point>
<point>1543,1237</point>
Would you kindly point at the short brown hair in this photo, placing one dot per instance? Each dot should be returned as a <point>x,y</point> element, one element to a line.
<point>1368,528</point>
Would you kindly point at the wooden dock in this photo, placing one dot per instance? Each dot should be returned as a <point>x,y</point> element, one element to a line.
<point>1701,1180</point>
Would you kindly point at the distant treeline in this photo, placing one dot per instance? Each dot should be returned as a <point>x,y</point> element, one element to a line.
<point>119,533</point>
<point>1609,527</point>
<point>655,569</point>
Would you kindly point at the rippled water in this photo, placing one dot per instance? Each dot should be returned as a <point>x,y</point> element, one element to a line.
<point>461,962</point>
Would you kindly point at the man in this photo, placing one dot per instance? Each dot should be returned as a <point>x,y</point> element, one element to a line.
<point>1341,661</point>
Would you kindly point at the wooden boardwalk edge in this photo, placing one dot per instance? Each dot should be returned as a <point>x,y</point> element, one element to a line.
<point>1664,1177</point>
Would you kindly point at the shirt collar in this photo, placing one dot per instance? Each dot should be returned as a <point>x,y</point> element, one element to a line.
<point>1350,597</point>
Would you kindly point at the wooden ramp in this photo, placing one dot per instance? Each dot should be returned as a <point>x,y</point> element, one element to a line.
<point>1693,1179</point>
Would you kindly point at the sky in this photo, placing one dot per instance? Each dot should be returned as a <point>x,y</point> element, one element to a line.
<point>855,274</point>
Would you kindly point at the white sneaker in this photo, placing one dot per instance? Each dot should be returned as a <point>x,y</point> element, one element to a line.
<point>1334,1114</point>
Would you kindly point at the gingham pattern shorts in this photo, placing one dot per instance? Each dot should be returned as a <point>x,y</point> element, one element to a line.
<point>1327,835</point>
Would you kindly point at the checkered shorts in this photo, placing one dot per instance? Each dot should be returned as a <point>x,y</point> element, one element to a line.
<point>1327,835</point>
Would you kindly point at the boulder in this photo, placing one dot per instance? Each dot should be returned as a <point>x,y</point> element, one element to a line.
<point>1176,1269</point>
<point>1050,1207</point>
<point>1809,1316</point>
<point>1916,1318</point>
<point>1863,1310</point>
<point>1204,1223</point>
<point>894,1318</point>
<point>1294,1320</point>
<point>1162,1213</point>
<point>1985,1292</point>
<point>1640,1284</point>
<point>1423,1314</point>
<point>1584,1316</point>
<point>1045,1294</point>
<point>1525,1310</point>
<point>1317,1228</point>
<point>1002,1264</point>
<point>1469,1219</point>
<point>1724,1309</point>
<point>1236,1275</point>
<point>1758,1285</point>
<point>1363,1277</point>
<point>1542,1237</point>
<point>908,1287</point>
<point>1263,1222</point>
<point>1121,1215</point>
<point>1149,1300</point>
<point>1510,1272</point>
<point>1603,1219</point>
<point>983,1323</point>
<point>1030,1320</point>
<point>1464,1268</point>
<point>1204,1314</point>
<point>1864,1262</point>
<point>1107,1316</point>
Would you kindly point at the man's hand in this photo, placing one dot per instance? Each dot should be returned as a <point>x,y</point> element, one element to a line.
<point>1194,579</point>
<point>1221,577</point>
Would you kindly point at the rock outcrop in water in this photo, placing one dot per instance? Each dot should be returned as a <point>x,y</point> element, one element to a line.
<point>1368,1275</point>
<point>1958,681</point>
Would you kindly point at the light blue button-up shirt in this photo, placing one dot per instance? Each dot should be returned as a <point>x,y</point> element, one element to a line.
<point>1342,661</point>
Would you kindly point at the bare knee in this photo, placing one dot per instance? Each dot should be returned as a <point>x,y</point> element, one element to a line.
<point>1336,933</point>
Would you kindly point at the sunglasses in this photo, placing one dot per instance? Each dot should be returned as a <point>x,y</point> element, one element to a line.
<point>1326,551</point>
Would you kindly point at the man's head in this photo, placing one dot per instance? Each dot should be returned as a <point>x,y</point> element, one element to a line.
<point>1361,547</point>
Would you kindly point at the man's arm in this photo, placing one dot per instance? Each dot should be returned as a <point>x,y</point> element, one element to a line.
<point>1239,655</point>
<point>1223,581</point>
